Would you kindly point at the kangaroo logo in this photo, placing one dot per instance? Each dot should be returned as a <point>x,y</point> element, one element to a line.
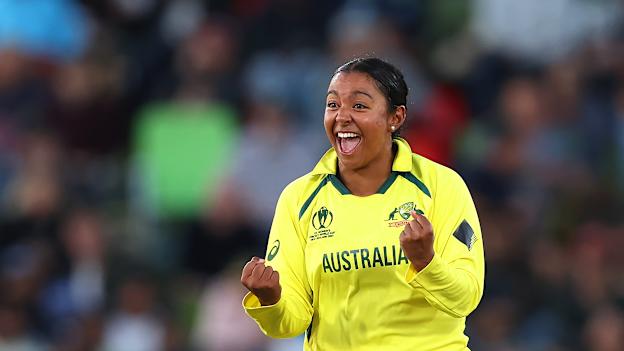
<point>403,211</point>
<point>323,218</point>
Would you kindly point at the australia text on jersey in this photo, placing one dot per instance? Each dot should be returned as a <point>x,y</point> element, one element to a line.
<point>363,258</point>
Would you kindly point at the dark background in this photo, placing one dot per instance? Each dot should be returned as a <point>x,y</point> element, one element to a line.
<point>143,144</point>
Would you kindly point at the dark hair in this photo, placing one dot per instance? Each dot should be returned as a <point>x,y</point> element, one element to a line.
<point>388,78</point>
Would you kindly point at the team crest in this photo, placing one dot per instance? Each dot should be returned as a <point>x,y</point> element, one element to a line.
<point>405,209</point>
<point>401,215</point>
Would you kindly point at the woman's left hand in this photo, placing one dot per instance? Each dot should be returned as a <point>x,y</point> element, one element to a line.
<point>417,241</point>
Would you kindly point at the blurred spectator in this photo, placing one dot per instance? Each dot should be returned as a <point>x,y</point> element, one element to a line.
<point>176,174</point>
<point>83,238</point>
<point>79,290</point>
<point>87,111</point>
<point>441,120</point>
<point>499,148</point>
<point>206,64</point>
<point>220,325</point>
<point>284,24</point>
<point>295,80</point>
<point>181,18</point>
<point>24,94</point>
<point>542,32</point>
<point>24,271</point>
<point>14,333</point>
<point>182,151</point>
<point>494,326</point>
<point>605,330</point>
<point>134,324</point>
<point>275,152</point>
<point>84,335</point>
<point>35,195</point>
<point>225,231</point>
<point>619,137</point>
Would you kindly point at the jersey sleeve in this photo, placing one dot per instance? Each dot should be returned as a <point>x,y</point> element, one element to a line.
<point>453,281</point>
<point>292,314</point>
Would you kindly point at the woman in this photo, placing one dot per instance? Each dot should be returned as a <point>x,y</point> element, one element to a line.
<point>376,248</point>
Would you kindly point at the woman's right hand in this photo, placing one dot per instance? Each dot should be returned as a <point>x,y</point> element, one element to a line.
<point>262,281</point>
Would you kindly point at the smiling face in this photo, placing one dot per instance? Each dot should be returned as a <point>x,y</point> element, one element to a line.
<point>358,121</point>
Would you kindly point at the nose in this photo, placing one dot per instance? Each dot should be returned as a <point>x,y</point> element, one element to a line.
<point>343,116</point>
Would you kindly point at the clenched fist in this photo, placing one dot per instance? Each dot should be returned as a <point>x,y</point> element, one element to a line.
<point>417,241</point>
<point>262,281</point>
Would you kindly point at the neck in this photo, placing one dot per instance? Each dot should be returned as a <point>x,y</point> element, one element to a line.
<point>368,179</point>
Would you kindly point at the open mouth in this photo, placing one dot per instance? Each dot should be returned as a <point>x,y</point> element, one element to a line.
<point>347,142</point>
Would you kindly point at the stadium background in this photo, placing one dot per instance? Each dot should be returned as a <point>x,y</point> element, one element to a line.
<point>143,144</point>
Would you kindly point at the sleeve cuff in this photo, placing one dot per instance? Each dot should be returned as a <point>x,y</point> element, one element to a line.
<point>432,274</point>
<point>254,309</point>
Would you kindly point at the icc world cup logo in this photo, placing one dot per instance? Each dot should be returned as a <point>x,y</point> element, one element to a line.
<point>322,218</point>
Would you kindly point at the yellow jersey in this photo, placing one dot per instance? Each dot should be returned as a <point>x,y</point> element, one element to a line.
<point>345,280</point>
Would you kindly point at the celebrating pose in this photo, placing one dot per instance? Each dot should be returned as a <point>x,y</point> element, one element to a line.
<point>377,248</point>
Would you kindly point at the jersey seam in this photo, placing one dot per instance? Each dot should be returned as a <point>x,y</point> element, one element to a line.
<point>388,183</point>
<point>453,313</point>
<point>448,309</point>
<point>308,201</point>
<point>414,180</point>
<point>342,189</point>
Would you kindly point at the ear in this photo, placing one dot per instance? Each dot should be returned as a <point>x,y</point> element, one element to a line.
<point>397,118</point>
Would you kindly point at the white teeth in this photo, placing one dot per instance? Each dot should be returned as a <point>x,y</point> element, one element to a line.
<point>347,135</point>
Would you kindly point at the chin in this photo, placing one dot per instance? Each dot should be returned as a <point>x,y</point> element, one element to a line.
<point>350,162</point>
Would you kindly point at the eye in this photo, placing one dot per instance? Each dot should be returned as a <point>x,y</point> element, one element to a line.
<point>359,106</point>
<point>332,104</point>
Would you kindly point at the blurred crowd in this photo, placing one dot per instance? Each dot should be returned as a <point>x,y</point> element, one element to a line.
<point>144,143</point>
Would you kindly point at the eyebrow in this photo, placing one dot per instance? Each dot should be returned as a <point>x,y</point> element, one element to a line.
<point>355,92</point>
